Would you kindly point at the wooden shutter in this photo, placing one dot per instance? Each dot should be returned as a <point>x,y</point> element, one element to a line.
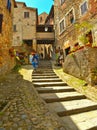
<point>9,5</point>
<point>1,19</point>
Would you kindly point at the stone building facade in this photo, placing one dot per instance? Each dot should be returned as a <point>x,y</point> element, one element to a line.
<point>69,13</point>
<point>25,21</point>
<point>7,60</point>
<point>42,17</point>
<point>29,31</point>
<point>50,18</point>
<point>76,26</point>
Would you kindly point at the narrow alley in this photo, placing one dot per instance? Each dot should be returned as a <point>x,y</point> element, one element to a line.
<point>48,66</point>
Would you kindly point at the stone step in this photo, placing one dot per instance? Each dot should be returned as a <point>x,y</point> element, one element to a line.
<point>44,69</point>
<point>47,84</point>
<point>73,107</point>
<point>81,121</point>
<point>46,64</point>
<point>44,74</point>
<point>63,96</point>
<point>47,80</point>
<point>43,77</point>
<point>54,89</point>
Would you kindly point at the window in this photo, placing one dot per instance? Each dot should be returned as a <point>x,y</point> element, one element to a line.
<point>62,2</point>
<point>62,26</point>
<point>40,19</point>
<point>70,18</point>
<point>84,8</point>
<point>14,28</point>
<point>1,19</point>
<point>67,50</point>
<point>9,5</point>
<point>26,14</point>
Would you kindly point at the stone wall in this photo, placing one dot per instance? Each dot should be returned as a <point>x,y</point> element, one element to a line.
<point>60,12</point>
<point>6,60</point>
<point>82,64</point>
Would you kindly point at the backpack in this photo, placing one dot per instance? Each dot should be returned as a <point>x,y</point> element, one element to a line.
<point>34,59</point>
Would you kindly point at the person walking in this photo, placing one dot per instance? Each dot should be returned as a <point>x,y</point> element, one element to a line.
<point>35,61</point>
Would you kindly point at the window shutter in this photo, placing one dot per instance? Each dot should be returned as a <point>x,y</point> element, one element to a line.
<point>9,5</point>
<point>1,19</point>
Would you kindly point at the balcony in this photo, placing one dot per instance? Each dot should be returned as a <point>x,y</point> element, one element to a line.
<point>45,34</point>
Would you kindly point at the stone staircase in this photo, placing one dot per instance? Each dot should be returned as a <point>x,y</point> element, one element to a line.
<point>73,108</point>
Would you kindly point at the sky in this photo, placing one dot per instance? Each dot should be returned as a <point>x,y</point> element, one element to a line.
<point>41,5</point>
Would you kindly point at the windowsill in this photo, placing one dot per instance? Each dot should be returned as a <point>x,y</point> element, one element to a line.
<point>68,26</point>
<point>83,14</point>
<point>62,32</point>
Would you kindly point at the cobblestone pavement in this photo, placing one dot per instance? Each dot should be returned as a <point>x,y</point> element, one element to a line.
<point>21,108</point>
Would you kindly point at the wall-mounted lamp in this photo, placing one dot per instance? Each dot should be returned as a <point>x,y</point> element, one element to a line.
<point>46,29</point>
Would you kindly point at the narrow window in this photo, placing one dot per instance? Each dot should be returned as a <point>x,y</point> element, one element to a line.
<point>62,26</point>
<point>1,19</point>
<point>70,18</point>
<point>84,8</point>
<point>26,14</point>
<point>14,28</point>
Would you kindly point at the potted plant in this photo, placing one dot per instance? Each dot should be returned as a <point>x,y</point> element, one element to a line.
<point>84,29</point>
<point>84,40</point>
<point>94,45</point>
<point>72,49</point>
